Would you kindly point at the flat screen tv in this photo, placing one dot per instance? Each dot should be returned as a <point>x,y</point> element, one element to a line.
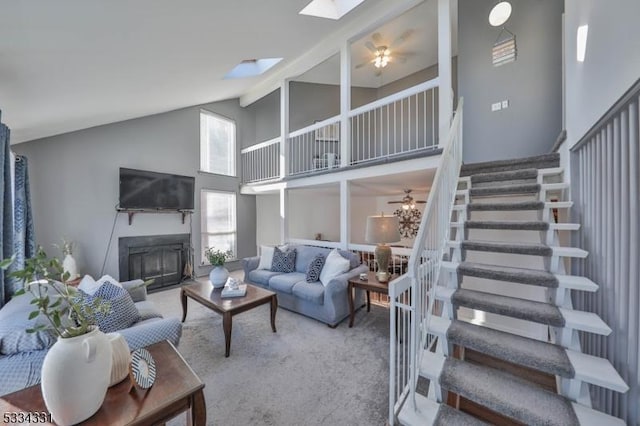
<point>145,190</point>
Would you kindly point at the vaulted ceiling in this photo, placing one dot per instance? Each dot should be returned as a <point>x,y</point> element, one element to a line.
<point>71,64</point>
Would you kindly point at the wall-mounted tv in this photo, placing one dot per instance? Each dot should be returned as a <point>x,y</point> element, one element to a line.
<point>145,190</point>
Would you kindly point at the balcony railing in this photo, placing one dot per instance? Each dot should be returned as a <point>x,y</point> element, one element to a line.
<point>261,162</point>
<point>400,124</point>
<point>315,147</point>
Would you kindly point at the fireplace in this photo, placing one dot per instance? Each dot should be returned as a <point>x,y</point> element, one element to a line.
<point>159,257</point>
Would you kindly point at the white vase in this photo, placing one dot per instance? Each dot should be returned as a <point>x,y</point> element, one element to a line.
<point>75,376</point>
<point>121,358</point>
<point>69,265</point>
<point>218,276</point>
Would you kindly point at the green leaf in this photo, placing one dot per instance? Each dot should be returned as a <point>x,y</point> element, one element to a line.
<point>34,314</point>
<point>20,292</point>
<point>5,263</point>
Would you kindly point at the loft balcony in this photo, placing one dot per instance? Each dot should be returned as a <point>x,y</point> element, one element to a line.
<point>398,127</point>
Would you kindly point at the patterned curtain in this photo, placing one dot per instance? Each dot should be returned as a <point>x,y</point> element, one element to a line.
<point>6,211</point>
<point>24,240</point>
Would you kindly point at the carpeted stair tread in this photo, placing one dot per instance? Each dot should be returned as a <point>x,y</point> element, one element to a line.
<point>538,162</point>
<point>510,248</point>
<point>518,205</point>
<point>507,273</point>
<point>527,188</point>
<point>514,225</point>
<point>522,174</point>
<point>448,416</point>
<point>535,354</point>
<point>501,392</point>
<point>524,309</point>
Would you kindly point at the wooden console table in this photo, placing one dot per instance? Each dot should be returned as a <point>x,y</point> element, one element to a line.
<point>177,389</point>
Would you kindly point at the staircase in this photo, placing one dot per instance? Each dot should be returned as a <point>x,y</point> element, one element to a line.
<point>504,292</point>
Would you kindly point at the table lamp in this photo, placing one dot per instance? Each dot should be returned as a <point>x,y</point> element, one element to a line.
<point>381,230</point>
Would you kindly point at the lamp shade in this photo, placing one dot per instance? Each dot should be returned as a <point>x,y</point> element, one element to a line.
<point>382,229</point>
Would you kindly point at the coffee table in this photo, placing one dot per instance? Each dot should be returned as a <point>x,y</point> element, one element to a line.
<point>204,293</point>
<point>177,389</point>
<point>371,284</point>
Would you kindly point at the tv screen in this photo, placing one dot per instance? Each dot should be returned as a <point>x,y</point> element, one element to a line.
<point>141,189</point>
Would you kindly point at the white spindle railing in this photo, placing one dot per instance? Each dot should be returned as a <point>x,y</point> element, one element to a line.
<point>315,147</point>
<point>261,162</point>
<point>401,123</point>
<point>413,296</point>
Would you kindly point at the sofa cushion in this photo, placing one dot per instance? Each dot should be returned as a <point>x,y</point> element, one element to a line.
<point>315,268</point>
<point>334,265</point>
<point>261,276</point>
<point>14,322</point>
<point>122,311</point>
<point>266,257</point>
<point>305,255</point>
<point>312,292</point>
<point>285,282</point>
<point>283,260</point>
<point>354,259</point>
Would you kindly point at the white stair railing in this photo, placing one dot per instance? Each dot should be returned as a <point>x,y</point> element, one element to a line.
<point>261,162</point>
<point>412,297</point>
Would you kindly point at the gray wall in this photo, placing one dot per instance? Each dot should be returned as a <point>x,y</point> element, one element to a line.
<point>532,84</point>
<point>266,114</point>
<point>74,182</point>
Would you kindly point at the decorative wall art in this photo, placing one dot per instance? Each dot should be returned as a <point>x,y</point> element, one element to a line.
<point>409,222</point>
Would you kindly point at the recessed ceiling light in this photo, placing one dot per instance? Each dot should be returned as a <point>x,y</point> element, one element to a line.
<point>500,13</point>
<point>330,9</point>
<point>251,67</point>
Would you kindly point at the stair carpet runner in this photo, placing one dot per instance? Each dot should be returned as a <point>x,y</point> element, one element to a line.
<point>512,396</point>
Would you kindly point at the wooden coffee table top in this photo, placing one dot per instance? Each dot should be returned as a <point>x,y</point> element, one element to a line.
<point>211,297</point>
<point>175,383</point>
<point>372,283</point>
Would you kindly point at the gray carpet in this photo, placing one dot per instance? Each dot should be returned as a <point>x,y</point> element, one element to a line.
<point>511,225</point>
<point>506,273</point>
<point>509,206</point>
<point>306,373</point>
<point>527,188</point>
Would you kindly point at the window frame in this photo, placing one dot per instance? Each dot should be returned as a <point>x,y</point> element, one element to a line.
<point>203,217</point>
<point>234,154</point>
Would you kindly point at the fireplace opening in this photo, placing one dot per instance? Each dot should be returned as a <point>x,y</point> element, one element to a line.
<point>162,258</point>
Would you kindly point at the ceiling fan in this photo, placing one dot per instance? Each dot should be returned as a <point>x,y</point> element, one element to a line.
<point>384,53</point>
<point>408,203</point>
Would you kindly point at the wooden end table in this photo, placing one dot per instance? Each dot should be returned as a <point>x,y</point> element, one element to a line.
<point>177,389</point>
<point>371,284</point>
<point>204,293</point>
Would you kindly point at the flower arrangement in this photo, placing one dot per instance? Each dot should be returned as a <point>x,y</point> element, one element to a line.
<point>217,257</point>
<point>66,247</point>
<point>63,306</point>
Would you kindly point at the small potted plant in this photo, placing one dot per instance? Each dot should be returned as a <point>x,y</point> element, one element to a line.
<point>78,365</point>
<point>219,274</point>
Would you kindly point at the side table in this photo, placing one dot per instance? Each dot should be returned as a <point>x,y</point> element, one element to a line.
<point>177,389</point>
<point>371,284</point>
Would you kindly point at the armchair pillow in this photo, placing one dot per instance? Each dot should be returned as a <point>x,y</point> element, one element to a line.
<point>334,265</point>
<point>123,312</point>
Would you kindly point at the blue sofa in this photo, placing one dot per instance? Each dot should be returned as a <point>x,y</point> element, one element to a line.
<point>19,370</point>
<point>327,304</point>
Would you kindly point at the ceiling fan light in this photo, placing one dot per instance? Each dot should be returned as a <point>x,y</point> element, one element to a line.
<point>405,207</point>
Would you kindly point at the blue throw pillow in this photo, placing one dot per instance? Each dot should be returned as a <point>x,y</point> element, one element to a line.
<point>314,268</point>
<point>122,313</point>
<point>283,261</point>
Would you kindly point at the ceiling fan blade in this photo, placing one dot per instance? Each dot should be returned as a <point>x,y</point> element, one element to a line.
<point>377,38</point>
<point>378,72</point>
<point>363,64</point>
<point>403,37</point>
<point>420,202</point>
<point>369,45</point>
<point>395,202</point>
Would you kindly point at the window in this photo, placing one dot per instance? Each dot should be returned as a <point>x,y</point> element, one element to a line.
<point>218,221</point>
<point>217,144</point>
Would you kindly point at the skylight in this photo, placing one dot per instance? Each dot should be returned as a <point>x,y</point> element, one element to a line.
<point>330,9</point>
<point>251,67</point>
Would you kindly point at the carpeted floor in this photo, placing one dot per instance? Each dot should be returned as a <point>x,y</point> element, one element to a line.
<point>305,374</point>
